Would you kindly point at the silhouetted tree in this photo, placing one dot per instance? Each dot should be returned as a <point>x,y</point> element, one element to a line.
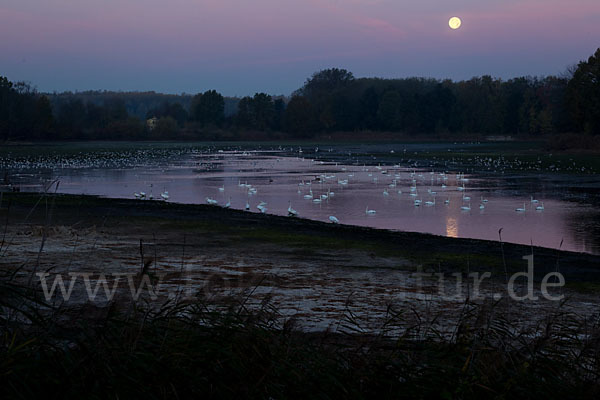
<point>208,108</point>
<point>368,106</point>
<point>299,117</point>
<point>325,82</point>
<point>278,115</point>
<point>262,111</point>
<point>389,111</point>
<point>584,94</point>
<point>173,110</point>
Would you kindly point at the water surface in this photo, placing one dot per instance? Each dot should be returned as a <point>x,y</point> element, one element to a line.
<point>346,187</point>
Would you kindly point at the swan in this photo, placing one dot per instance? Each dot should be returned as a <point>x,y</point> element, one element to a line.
<point>137,195</point>
<point>317,200</point>
<point>371,212</point>
<point>521,209</point>
<point>247,205</point>
<point>228,204</point>
<point>466,208</point>
<point>540,207</point>
<point>385,192</point>
<point>334,220</point>
<point>309,196</point>
<point>142,195</point>
<point>430,203</point>
<point>482,206</point>
<point>211,201</point>
<point>447,201</point>
<point>466,198</point>
<point>222,188</point>
<point>533,200</point>
<point>484,200</point>
<point>165,195</point>
<point>417,202</point>
<point>291,211</point>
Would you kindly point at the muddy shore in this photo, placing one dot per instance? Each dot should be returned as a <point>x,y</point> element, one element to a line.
<point>314,272</point>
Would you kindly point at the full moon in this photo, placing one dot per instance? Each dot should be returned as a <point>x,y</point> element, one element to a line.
<point>454,22</point>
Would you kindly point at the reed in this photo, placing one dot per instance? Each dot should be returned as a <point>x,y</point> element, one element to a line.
<point>185,349</point>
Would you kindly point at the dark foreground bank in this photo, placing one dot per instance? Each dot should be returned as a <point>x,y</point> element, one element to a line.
<point>185,349</point>
<point>238,228</point>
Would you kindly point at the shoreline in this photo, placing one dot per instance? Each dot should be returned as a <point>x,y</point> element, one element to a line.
<point>431,251</point>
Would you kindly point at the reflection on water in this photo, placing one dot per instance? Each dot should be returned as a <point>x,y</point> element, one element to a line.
<point>451,227</point>
<point>403,198</point>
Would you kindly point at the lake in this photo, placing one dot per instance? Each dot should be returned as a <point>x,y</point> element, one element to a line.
<point>404,187</point>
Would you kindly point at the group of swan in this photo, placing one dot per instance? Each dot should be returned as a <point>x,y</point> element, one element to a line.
<point>143,196</point>
<point>315,198</point>
<point>534,203</point>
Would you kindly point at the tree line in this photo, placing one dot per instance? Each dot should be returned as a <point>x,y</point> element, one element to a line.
<point>331,100</point>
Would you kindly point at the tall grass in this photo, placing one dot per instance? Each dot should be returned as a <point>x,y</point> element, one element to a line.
<point>183,350</point>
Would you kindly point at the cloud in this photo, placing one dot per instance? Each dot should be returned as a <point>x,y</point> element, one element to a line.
<point>371,24</point>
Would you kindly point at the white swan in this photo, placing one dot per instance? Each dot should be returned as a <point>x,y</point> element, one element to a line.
<point>519,209</point>
<point>466,208</point>
<point>334,220</point>
<point>370,212</point>
<point>228,204</point>
<point>540,207</point>
<point>211,201</point>
<point>533,200</point>
<point>430,203</point>
<point>291,211</point>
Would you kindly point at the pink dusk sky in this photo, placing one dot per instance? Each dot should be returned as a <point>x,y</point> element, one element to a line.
<point>240,47</point>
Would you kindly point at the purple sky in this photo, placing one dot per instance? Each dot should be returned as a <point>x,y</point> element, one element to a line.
<point>239,47</point>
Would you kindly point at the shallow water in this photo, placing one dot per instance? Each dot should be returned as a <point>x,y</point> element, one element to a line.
<point>282,179</point>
